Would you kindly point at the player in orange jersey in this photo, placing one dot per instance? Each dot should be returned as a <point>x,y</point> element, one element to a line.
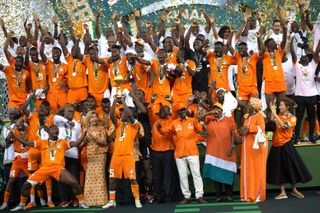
<point>52,155</point>
<point>77,77</point>
<point>18,83</point>
<point>20,162</point>
<point>122,161</point>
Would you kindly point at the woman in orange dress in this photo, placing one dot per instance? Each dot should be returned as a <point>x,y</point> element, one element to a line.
<point>253,159</point>
<point>95,187</point>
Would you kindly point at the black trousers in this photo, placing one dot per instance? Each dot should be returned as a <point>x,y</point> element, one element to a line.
<point>73,166</point>
<point>305,103</point>
<point>228,189</point>
<point>162,167</point>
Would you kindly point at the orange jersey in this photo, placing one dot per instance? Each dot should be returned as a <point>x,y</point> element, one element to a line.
<point>17,146</point>
<point>140,76</point>
<point>120,68</point>
<point>17,84</point>
<point>98,80</point>
<point>184,136</point>
<point>77,76</point>
<point>183,84</point>
<point>161,143</point>
<point>52,153</point>
<point>247,70</point>
<point>57,73</point>
<point>272,66</point>
<point>219,70</point>
<point>126,134</point>
<point>34,125</point>
<point>38,75</point>
<point>161,85</point>
<point>172,57</point>
<point>282,136</point>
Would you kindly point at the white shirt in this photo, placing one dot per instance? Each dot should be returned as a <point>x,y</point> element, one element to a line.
<point>8,155</point>
<point>289,76</point>
<point>71,134</point>
<point>305,83</point>
<point>277,38</point>
<point>251,40</point>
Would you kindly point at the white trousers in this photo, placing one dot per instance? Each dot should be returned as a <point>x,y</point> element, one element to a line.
<point>194,164</point>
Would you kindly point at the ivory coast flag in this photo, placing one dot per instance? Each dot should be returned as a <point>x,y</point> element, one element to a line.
<point>218,166</point>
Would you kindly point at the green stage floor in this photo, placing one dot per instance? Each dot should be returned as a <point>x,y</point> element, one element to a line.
<point>310,204</point>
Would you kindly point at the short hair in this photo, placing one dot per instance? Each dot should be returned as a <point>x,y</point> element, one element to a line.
<point>116,46</point>
<point>33,49</point>
<point>105,101</point>
<point>57,48</point>
<point>18,57</point>
<point>275,21</point>
<point>219,43</point>
<point>45,103</point>
<point>242,44</point>
<point>267,41</point>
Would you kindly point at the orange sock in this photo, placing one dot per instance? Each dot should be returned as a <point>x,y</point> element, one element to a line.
<point>6,197</point>
<point>112,195</point>
<point>49,189</point>
<point>80,198</point>
<point>23,200</point>
<point>135,191</point>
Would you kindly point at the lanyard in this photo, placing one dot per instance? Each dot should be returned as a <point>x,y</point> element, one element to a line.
<point>219,64</point>
<point>18,76</point>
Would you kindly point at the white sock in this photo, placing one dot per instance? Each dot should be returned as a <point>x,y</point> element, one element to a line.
<point>43,202</point>
<point>32,198</point>
<point>49,199</point>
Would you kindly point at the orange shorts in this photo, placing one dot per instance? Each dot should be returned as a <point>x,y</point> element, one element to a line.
<point>275,86</point>
<point>247,93</point>
<point>15,104</point>
<point>44,173</point>
<point>34,158</point>
<point>123,164</point>
<point>57,100</point>
<point>77,95</point>
<point>19,165</point>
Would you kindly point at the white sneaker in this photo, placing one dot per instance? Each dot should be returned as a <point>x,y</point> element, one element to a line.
<point>111,204</point>
<point>18,208</point>
<point>138,204</point>
<point>4,206</point>
<point>83,205</point>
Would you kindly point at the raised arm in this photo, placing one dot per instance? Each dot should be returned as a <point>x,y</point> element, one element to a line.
<point>97,26</point>
<point>207,28</point>
<point>43,56</point>
<point>149,37</point>
<point>113,117</point>
<point>187,38</point>
<point>303,20</point>
<point>261,47</point>
<point>241,29</point>
<point>316,53</point>
<point>214,30</point>
<point>3,27</point>
<point>27,28</point>
<point>24,107</point>
<point>137,17</point>
<point>229,43</point>
<point>55,23</point>
<point>6,46</point>
<point>308,21</point>
<point>63,44</point>
<point>71,30</point>
<point>138,103</point>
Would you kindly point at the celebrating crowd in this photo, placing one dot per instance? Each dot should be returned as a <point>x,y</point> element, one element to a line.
<point>92,112</point>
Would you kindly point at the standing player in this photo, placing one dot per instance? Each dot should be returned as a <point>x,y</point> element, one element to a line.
<point>122,161</point>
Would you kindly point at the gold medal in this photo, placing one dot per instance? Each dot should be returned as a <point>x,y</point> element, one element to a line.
<point>275,67</point>
<point>74,74</point>
<point>54,79</point>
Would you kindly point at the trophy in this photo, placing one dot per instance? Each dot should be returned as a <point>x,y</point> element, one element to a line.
<point>118,79</point>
